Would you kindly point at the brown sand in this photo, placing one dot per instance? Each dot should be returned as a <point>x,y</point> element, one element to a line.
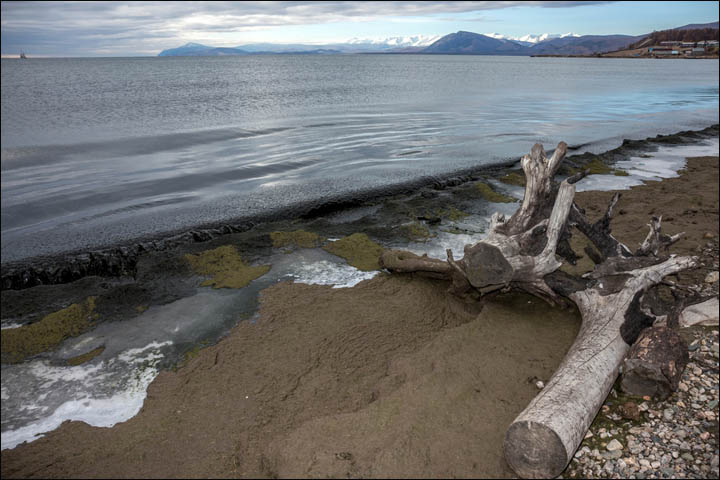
<point>392,378</point>
<point>687,204</point>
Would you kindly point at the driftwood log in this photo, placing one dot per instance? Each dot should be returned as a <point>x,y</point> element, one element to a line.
<point>525,253</point>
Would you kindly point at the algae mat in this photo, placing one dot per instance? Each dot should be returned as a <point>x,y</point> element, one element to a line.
<point>48,333</point>
<point>225,267</point>
<point>359,251</point>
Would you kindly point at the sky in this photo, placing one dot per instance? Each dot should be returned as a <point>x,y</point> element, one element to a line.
<point>92,29</point>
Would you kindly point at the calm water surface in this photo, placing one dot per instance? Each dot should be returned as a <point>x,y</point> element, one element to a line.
<point>98,151</point>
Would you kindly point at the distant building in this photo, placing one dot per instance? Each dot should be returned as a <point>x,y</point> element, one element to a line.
<point>662,51</point>
<point>697,51</point>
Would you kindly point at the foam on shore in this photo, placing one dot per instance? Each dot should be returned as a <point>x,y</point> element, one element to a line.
<point>90,387</point>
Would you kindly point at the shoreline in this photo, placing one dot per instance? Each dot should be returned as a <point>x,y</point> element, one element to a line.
<point>281,359</point>
<point>121,259</point>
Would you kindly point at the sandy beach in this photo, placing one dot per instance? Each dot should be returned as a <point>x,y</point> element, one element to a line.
<point>391,378</point>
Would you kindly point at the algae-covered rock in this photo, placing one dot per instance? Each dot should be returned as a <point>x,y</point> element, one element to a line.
<point>299,238</point>
<point>85,357</point>
<point>620,173</point>
<point>514,178</point>
<point>225,267</point>
<point>48,333</point>
<point>359,251</point>
<point>491,195</point>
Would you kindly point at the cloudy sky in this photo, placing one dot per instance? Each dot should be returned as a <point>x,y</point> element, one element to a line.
<point>79,29</point>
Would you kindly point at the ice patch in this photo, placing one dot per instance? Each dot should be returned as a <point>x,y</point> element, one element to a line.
<point>102,394</point>
<point>324,272</point>
<point>665,163</point>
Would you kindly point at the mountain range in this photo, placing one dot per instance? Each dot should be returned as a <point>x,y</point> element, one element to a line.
<point>459,43</point>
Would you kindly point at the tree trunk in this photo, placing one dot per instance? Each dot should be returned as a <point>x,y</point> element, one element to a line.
<point>543,438</point>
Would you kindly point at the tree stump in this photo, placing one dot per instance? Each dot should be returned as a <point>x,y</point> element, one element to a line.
<point>524,253</point>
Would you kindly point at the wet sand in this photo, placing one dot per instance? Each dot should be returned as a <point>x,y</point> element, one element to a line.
<point>391,378</point>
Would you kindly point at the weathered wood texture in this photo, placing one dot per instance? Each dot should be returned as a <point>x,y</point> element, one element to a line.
<point>522,253</point>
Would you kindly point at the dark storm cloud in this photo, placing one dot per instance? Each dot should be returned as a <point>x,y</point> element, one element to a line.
<point>91,28</point>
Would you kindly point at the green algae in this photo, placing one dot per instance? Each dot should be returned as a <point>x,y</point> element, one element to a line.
<point>451,213</point>
<point>298,238</point>
<point>359,251</point>
<point>415,231</point>
<point>225,267</point>
<point>48,333</point>
<point>85,357</point>
<point>141,308</point>
<point>514,178</point>
<point>491,195</point>
<point>596,167</point>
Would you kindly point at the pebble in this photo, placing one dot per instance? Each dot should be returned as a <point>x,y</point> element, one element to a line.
<point>711,277</point>
<point>614,445</point>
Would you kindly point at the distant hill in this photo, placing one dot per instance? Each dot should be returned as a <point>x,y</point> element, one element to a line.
<point>694,26</point>
<point>197,50</point>
<point>468,43</point>
<point>584,45</point>
<point>681,34</point>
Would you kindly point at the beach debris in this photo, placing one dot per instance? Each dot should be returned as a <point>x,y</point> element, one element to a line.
<point>526,253</point>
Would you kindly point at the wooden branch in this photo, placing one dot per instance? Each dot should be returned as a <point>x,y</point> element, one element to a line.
<point>539,172</point>
<point>655,239</point>
<point>599,232</point>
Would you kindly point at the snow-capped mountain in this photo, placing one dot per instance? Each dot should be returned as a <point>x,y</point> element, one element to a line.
<point>531,39</point>
<point>396,42</point>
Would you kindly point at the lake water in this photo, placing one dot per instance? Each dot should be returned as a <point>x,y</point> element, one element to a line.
<point>102,151</point>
